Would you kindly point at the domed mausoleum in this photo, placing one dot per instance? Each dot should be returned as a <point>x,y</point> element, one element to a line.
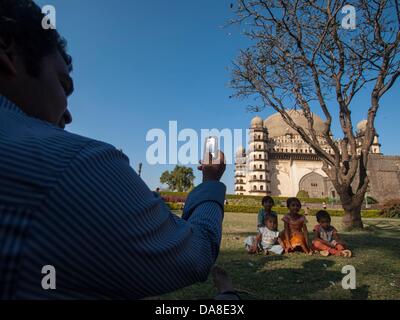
<point>278,162</point>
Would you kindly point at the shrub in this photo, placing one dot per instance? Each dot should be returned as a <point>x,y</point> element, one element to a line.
<point>173,199</point>
<point>303,194</point>
<point>174,206</point>
<point>250,199</point>
<point>371,200</point>
<point>175,194</point>
<point>312,212</point>
<point>279,210</point>
<point>391,209</point>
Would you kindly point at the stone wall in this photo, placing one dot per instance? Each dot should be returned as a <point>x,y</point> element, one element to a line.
<point>384,174</point>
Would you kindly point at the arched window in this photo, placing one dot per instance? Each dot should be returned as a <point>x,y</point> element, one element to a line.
<point>261,188</point>
<point>255,188</point>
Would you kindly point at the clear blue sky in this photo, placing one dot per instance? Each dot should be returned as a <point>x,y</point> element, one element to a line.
<point>140,64</point>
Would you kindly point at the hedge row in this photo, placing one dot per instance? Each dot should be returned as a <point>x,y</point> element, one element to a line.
<point>278,199</point>
<point>258,198</point>
<point>313,212</point>
<point>279,210</point>
<point>174,206</point>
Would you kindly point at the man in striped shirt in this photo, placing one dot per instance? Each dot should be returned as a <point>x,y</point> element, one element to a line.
<point>74,203</point>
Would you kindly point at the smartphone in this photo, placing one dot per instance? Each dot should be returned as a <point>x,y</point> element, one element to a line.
<point>211,146</point>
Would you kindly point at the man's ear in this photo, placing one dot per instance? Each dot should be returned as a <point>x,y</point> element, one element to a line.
<point>8,57</point>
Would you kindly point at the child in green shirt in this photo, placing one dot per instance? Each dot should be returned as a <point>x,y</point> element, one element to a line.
<point>267,203</point>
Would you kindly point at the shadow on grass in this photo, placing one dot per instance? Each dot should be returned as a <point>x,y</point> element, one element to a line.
<point>367,242</point>
<point>296,276</point>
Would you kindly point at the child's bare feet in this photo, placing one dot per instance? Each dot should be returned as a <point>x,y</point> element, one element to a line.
<point>221,280</point>
<point>324,253</point>
<point>346,253</point>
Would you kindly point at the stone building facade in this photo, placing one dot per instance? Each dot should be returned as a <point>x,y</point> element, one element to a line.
<point>279,163</point>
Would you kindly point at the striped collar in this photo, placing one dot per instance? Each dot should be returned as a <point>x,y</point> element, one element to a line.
<point>7,104</point>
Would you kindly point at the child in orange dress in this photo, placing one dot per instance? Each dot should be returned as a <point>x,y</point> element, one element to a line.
<point>295,234</point>
<point>326,238</point>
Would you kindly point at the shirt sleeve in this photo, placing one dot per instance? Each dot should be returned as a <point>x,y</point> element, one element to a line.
<point>260,217</point>
<point>109,235</point>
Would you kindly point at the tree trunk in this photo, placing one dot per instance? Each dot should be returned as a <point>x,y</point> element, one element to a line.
<point>352,213</point>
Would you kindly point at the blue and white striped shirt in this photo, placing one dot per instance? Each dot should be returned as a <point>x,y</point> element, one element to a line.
<point>75,203</point>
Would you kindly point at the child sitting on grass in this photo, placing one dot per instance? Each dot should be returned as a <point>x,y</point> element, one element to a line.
<point>268,238</point>
<point>326,238</point>
<point>295,234</point>
<point>267,203</point>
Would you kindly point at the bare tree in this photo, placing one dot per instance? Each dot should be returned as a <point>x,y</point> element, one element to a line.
<point>301,57</point>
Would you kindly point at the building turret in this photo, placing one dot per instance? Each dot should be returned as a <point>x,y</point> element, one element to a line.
<point>240,171</point>
<point>257,160</point>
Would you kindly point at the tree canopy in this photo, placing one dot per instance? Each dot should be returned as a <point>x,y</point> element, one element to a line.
<point>180,179</point>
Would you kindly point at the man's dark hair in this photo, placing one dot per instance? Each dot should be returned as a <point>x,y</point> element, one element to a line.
<point>323,215</point>
<point>266,199</point>
<point>290,200</point>
<point>21,23</point>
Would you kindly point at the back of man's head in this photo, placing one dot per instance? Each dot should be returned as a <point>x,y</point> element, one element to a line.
<point>34,64</point>
<point>21,22</point>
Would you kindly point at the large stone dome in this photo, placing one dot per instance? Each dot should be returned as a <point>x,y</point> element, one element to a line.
<point>277,127</point>
<point>362,125</point>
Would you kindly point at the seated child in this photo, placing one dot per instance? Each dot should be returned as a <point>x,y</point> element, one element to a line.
<point>267,203</point>
<point>326,238</point>
<point>268,238</point>
<point>295,234</point>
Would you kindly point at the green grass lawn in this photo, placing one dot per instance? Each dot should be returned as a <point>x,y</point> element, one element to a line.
<point>297,276</point>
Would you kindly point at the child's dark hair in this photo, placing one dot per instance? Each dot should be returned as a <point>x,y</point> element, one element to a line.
<point>323,215</point>
<point>291,200</point>
<point>271,217</point>
<point>266,199</point>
